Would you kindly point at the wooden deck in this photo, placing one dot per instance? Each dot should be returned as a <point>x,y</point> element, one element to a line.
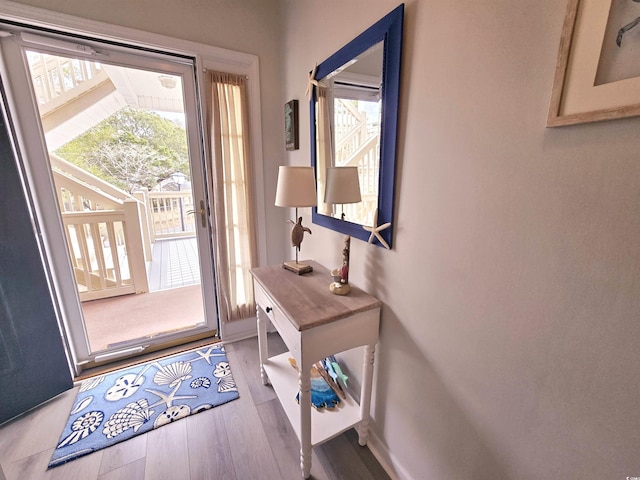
<point>174,302</point>
<point>175,264</point>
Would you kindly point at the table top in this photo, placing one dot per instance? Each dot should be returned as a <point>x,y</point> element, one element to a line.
<point>306,298</point>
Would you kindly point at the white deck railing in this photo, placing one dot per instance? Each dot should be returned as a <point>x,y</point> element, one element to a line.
<point>171,214</point>
<point>56,79</point>
<point>110,233</point>
<point>366,159</point>
<point>350,130</point>
<point>105,247</point>
<point>359,147</point>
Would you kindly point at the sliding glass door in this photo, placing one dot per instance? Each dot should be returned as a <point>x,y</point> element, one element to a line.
<point>112,144</point>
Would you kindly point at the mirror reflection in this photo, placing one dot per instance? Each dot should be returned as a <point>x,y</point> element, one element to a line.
<point>354,117</point>
<point>348,109</point>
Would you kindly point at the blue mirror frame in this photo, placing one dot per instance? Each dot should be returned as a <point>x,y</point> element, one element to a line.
<point>388,30</point>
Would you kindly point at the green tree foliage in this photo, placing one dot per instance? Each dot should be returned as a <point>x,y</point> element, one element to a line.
<point>130,149</point>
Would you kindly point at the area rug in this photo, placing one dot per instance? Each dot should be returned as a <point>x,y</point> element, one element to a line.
<point>117,406</point>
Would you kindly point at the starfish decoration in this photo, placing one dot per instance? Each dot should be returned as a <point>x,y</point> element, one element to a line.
<point>376,229</point>
<point>206,356</point>
<point>169,398</point>
<point>313,81</point>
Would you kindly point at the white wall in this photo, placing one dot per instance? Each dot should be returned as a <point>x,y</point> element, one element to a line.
<point>512,294</point>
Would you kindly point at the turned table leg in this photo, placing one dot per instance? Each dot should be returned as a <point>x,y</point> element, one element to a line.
<point>262,345</point>
<point>304,382</point>
<point>365,393</point>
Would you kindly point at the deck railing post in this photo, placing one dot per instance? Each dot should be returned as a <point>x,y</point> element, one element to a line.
<point>143,197</point>
<point>134,244</point>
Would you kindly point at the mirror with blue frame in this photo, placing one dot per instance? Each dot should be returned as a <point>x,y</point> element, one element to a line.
<point>354,116</point>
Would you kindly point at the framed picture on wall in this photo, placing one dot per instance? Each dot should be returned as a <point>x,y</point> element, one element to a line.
<point>291,124</point>
<point>597,73</point>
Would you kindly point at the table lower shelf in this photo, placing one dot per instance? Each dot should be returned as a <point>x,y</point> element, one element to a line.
<point>325,424</point>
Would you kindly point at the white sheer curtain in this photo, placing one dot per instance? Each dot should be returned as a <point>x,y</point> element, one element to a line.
<point>324,144</point>
<point>234,235</point>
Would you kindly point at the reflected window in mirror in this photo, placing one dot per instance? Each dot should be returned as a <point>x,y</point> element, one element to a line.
<point>349,106</point>
<point>354,113</point>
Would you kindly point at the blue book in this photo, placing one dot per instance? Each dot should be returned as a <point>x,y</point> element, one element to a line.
<point>322,395</point>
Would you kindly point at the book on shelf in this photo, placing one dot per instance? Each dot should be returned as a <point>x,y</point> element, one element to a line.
<point>325,377</point>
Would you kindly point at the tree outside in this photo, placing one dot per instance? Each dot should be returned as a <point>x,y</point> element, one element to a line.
<point>131,149</point>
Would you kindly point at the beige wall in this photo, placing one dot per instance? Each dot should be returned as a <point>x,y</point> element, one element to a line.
<point>512,294</point>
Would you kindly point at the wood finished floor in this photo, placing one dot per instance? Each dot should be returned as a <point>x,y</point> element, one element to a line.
<point>249,438</point>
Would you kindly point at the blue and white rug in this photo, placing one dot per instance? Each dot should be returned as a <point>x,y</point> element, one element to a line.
<point>117,406</point>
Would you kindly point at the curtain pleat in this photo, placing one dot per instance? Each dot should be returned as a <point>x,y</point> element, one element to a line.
<point>234,230</point>
<point>324,144</point>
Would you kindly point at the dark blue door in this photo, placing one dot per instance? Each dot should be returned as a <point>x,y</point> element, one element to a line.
<point>33,365</point>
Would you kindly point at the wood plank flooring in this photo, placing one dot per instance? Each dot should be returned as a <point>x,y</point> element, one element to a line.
<point>249,438</point>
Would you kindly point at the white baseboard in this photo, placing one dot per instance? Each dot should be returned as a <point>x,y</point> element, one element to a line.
<point>386,458</point>
<point>238,330</point>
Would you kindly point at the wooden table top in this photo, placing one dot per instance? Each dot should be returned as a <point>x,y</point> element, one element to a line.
<point>306,298</point>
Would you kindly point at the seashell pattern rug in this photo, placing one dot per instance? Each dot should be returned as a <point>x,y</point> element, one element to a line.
<point>114,407</point>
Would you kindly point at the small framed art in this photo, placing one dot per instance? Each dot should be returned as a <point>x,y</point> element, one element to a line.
<point>291,125</point>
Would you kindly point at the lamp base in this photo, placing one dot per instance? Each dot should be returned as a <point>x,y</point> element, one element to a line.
<point>296,267</point>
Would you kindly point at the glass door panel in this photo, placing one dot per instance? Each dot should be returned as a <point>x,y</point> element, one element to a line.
<point>123,151</point>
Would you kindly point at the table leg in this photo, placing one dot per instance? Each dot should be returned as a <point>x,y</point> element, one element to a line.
<point>304,382</point>
<point>365,394</point>
<point>262,344</point>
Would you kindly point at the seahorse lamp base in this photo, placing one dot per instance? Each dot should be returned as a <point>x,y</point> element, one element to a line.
<point>296,267</point>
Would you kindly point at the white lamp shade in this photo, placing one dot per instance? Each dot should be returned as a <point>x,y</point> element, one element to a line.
<point>296,187</point>
<point>342,185</point>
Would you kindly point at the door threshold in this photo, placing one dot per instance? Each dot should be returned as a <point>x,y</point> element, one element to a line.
<point>148,355</point>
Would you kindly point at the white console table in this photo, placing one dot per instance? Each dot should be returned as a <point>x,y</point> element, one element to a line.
<point>314,324</point>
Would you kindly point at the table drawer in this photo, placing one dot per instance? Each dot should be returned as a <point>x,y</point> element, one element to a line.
<point>288,332</point>
<point>264,301</point>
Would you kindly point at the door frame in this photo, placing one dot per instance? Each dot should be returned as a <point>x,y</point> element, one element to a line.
<point>30,141</point>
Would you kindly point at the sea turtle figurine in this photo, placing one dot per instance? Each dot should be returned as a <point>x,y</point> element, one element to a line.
<point>297,233</point>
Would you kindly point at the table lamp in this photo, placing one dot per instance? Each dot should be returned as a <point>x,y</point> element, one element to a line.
<point>342,186</point>
<point>296,188</point>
